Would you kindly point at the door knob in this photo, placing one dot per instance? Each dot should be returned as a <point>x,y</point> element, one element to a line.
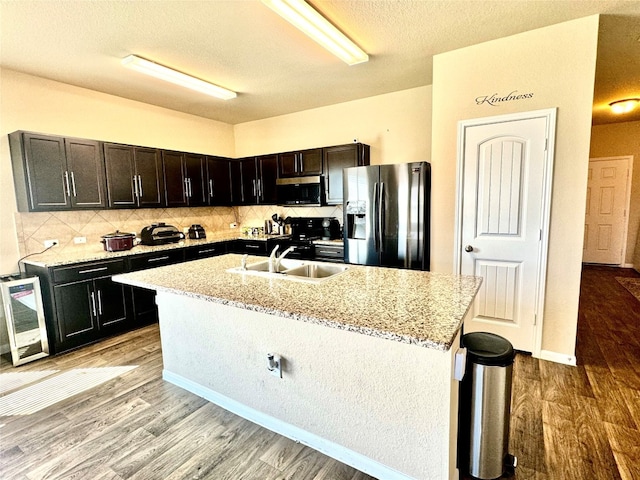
<point>468,248</point>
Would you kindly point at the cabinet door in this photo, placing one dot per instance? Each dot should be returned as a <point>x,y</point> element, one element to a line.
<point>77,322</point>
<point>148,169</point>
<point>219,181</point>
<point>267,175</point>
<point>111,304</point>
<point>236,182</point>
<point>288,164</point>
<point>195,169</point>
<point>120,170</point>
<point>249,181</point>
<point>335,160</point>
<point>85,165</point>
<point>145,310</point>
<point>174,179</point>
<point>310,162</point>
<point>47,175</point>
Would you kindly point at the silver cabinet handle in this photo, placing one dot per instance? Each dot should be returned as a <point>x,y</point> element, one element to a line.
<point>253,183</point>
<point>66,184</point>
<point>99,302</point>
<point>91,270</point>
<point>157,259</point>
<point>252,246</point>
<point>93,304</point>
<point>260,192</point>
<point>73,184</point>
<point>190,189</point>
<point>210,187</point>
<point>135,187</point>
<point>186,187</point>
<point>140,185</point>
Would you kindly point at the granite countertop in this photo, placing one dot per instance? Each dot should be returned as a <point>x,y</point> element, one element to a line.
<point>409,306</point>
<point>96,252</point>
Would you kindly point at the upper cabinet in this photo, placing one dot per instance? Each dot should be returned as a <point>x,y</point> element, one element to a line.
<point>184,177</point>
<point>335,160</point>
<point>300,163</point>
<point>57,173</point>
<point>219,181</point>
<point>134,176</point>
<point>258,180</point>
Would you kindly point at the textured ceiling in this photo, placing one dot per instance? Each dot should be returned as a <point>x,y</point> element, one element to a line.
<point>245,46</point>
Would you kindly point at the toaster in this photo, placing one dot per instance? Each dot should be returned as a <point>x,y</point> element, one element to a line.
<point>159,234</point>
<point>197,231</point>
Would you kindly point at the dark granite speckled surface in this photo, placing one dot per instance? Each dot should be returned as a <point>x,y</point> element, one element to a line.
<point>415,307</point>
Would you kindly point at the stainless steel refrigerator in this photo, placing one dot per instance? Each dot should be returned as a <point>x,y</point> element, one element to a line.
<point>387,215</point>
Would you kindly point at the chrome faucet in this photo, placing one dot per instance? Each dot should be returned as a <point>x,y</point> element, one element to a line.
<point>281,257</point>
<point>272,260</point>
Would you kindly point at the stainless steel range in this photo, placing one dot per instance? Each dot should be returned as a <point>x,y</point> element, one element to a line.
<point>304,230</point>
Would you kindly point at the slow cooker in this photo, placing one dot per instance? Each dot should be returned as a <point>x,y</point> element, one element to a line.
<point>118,241</point>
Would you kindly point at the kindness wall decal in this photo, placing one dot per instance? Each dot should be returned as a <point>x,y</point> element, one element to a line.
<point>495,99</point>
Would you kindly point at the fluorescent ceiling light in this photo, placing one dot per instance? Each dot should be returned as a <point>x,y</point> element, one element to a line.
<point>624,106</point>
<point>304,17</point>
<point>165,73</point>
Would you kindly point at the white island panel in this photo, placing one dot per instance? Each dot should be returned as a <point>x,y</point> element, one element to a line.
<point>385,407</point>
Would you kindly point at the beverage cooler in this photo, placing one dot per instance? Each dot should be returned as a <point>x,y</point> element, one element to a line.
<point>23,332</point>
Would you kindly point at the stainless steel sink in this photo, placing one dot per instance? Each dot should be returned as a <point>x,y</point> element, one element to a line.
<point>296,270</point>
<point>316,270</point>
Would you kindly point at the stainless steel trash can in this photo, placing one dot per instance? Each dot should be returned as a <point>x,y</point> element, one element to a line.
<point>485,406</point>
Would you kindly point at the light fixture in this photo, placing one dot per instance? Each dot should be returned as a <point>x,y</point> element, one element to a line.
<point>306,18</point>
<point>624,106</point>
<point>165,73</point>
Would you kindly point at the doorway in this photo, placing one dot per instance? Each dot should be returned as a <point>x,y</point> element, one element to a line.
<point>505,167</point>
<point>607,210</point>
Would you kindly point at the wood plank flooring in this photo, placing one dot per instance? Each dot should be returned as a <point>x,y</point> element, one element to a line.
<point>567,423</point>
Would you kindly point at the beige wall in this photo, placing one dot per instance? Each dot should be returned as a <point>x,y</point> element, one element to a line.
<point>615,140</point>
<point>397,126</point>
<point>39,105</point>
<point>557,64</point>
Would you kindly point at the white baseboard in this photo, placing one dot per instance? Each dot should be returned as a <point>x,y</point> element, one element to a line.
<point>628,265</point>
<point>558,357</point>
<point>333,450</point>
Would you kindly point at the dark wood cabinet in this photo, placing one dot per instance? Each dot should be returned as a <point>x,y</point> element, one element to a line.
<point>336,159</point>
<point>252,247</point>
<point>300,163</point>
<point>81,302</point>
<point>205,251</point>
<point>134,176</point>
<point>57,173</point>
<point>267,168</point>
<point>184,178</point>
<point>219,181</point>
<point>235,167</point>
<point>258,179</point>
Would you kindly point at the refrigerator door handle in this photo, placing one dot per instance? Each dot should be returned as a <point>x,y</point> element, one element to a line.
<point>381,224</point>
<point>376,217</point>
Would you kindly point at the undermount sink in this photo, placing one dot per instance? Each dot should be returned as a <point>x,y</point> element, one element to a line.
<point>297,270</point>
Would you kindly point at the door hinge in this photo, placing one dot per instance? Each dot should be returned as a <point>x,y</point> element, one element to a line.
<point>535,318</point>
<point>546,144</point>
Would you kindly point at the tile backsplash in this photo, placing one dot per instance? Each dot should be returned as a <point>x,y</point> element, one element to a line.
<point>34,228</point>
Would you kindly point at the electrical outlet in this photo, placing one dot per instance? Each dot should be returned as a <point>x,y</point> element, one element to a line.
<point>78,240</point>
<point>233,225</point>
<point>50,243</point>
<point>274,364</point>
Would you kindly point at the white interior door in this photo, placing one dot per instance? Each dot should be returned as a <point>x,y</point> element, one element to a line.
<point>606,215</point>
<point>503,197</point>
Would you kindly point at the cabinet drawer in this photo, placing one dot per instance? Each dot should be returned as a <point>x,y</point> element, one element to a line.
<point>204,251</point>
<point>151,260</point>
<point>329,252</point>
<point>85,271</point>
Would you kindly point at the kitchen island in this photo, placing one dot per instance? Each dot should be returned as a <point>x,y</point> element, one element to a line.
<point>367,356</point>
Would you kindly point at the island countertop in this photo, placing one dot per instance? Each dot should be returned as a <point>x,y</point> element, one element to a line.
<point>409,306</point>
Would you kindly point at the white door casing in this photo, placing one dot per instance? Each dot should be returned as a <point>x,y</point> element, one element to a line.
<point>606,218</point>
<point>505,167</point>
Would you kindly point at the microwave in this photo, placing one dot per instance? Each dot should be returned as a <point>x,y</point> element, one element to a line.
<point>300,191</point>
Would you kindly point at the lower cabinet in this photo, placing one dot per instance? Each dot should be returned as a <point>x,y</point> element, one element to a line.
<point>89,310</point>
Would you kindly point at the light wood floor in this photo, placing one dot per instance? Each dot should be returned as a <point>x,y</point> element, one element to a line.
<point>568,423</point>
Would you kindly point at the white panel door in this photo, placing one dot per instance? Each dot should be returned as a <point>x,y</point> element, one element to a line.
<point>502,208</point>
<point>606,215</point>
